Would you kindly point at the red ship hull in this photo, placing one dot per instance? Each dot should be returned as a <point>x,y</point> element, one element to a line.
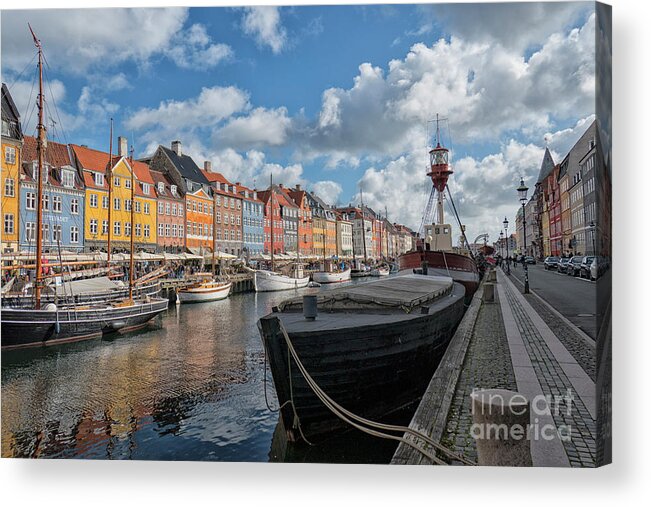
<point>459,267</point>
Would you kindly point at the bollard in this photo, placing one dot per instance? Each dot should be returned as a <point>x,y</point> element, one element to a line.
<point>310,310</point>
<point>500,423</point>
<point>489,292</point>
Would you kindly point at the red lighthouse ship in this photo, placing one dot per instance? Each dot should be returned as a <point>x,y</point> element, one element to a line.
<point>434,253</point>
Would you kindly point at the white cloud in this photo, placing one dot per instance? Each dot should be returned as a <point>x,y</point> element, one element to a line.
<point>210,107</point>
<point>194,49</point>
<point>260,127</point>
<point>562,140</point>
<point>264,25</point>
<point>328,190</point>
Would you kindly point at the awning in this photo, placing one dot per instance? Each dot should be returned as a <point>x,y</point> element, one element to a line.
<point>99,284</point>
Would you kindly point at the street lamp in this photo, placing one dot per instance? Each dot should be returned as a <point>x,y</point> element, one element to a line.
<point>502,243</point>
<point>522,195</point>
<point>506,235</point>
<point>593,226</point>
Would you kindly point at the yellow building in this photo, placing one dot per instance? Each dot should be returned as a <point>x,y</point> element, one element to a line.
<point>318,236</point>
<point>93,165</point>
<point>331,236</point>
<point>12,140</point>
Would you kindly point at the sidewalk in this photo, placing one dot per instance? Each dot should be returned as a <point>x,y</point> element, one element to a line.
<point>517,343</point>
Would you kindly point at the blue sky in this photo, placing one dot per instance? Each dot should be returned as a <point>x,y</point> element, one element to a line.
<point>331,97</point>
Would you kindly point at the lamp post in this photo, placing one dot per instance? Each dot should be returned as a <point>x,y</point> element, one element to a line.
<point>502,243</point>
<point>506,236</point>
<point>593,227</point>
<point>522,195</point>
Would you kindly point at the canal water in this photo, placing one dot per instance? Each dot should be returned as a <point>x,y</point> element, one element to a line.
<point>189,387</point>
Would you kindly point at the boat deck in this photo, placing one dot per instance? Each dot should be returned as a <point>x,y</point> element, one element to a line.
<point>399,293</point>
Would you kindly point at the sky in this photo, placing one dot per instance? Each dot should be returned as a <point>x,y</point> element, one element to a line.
<point>336,98</point>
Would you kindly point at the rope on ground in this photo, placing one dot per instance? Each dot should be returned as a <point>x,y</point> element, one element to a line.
<point>350,417</point>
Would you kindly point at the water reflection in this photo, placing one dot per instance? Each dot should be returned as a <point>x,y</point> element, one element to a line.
<point>189,387</point>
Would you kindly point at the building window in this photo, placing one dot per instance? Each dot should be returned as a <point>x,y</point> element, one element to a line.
<point>160,208</point>
<point>30,200</point>
<point>74,206</point>
<point>218,217</point>
<point>127,205</point>
<point>147,231</point>
<point>167,230</point>
<point>194,206</point>
<point>127,183</point>
<point>30,231</point>
<point>9,223</point>
<point>74,234</point>
<point>173,189</point>
<point>10,188</point>
<point>116,181</point>
<point>99,179</point>
<point>56,203</point>
<point>181,230</point>
<point>10,155</point>
<point>146,188</point>
<point>127,229</point>
<point>168,208</point>
<point>93,226</point>
<point>161,187</point>
<point>105,202</point>
<point>138,230</point>
<point>146,207</point>
<point>46,202</point>
<point>105,227</point>
<point>160,229</point>
<point>116,228</point>
<point>189,206</point>
<point>46,232</point>
<point>137,210</point>
<point>174,209</point>
<point>116,204</point>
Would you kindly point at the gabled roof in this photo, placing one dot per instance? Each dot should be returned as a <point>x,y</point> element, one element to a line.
<point>98,161</point>
<point>186,166</point>
<point>241,189</point>
<point>10,113</point>
<point>56,154</point>
<point>546,167</point>
<point>159,177</point>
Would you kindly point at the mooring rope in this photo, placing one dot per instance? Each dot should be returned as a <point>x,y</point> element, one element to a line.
<point>349,417</point>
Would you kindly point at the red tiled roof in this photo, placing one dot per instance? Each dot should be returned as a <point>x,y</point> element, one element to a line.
<point>159,177</point>
<point>56,154</point>
<point>215,177</point>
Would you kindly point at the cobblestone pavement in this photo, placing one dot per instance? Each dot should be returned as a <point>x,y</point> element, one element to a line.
<point>573,342</point>
<point>487,365</point>
<point>581,448</point>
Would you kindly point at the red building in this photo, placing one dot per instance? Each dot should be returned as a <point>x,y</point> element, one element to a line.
<point>272,218</point>
<point>170,214</point>
<point>552,194</point>
<point>228,212</point>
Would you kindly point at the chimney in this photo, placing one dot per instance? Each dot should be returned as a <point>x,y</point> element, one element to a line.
<point>123,149</point>
<point>298,188</point>
<point>255,194</point>
<point>176,148</point>
<point>207,165</point>
<point>280,185</point>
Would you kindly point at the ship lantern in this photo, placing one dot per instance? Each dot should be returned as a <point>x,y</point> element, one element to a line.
<point>439,167</point>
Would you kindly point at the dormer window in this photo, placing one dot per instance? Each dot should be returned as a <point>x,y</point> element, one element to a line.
<point>99,179</point>
<point>67,178</point>
<point>145,188</point>
<point>161,187</point>
<point>173,189</point>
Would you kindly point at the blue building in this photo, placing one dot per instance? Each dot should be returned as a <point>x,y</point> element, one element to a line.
<point>252,222</point>
<point>63,199</point>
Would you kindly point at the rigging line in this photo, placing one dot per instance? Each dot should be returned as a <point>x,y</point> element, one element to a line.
<point>21,72</point>
<point>56,109</point>
<point>456,214</point>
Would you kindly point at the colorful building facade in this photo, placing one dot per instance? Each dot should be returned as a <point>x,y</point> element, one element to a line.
<point>252,222</point>
<point>170,214</point>
<point>12,140</point>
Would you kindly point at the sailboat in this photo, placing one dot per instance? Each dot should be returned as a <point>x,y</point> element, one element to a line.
<point>434,254</point>
<point>48,324</point>
<point>208,289</point>
<point>270,281</point>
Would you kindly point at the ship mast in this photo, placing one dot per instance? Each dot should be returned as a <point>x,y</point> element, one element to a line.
<point>271,194</point>
<point>40,149</point>
<point>133,206</point>
<point>361,199</point>
<point>214,229</point>
<point>109,176</point>
<point>439,172</point>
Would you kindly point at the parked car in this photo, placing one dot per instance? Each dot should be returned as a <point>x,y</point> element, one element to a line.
<point>584,269</point>
<point>598,267</point>
<point>574,266</point>
<point>529,260</point>
<point>551,262</point>
<point>563,262</point>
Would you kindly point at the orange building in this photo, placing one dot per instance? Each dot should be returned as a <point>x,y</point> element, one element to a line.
<point>305,243</point>
<point>198,221</point>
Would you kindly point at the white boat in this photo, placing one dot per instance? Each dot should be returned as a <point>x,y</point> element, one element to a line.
<point>333,277</point>
<point>204,291</point>
<point>381,271</point>
<point>268,281</point>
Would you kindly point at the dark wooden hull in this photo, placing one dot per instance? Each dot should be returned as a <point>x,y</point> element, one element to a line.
<point>372,370</point>
<point>20,301</point>
<point>460,268</point>
<point>31,328</point>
